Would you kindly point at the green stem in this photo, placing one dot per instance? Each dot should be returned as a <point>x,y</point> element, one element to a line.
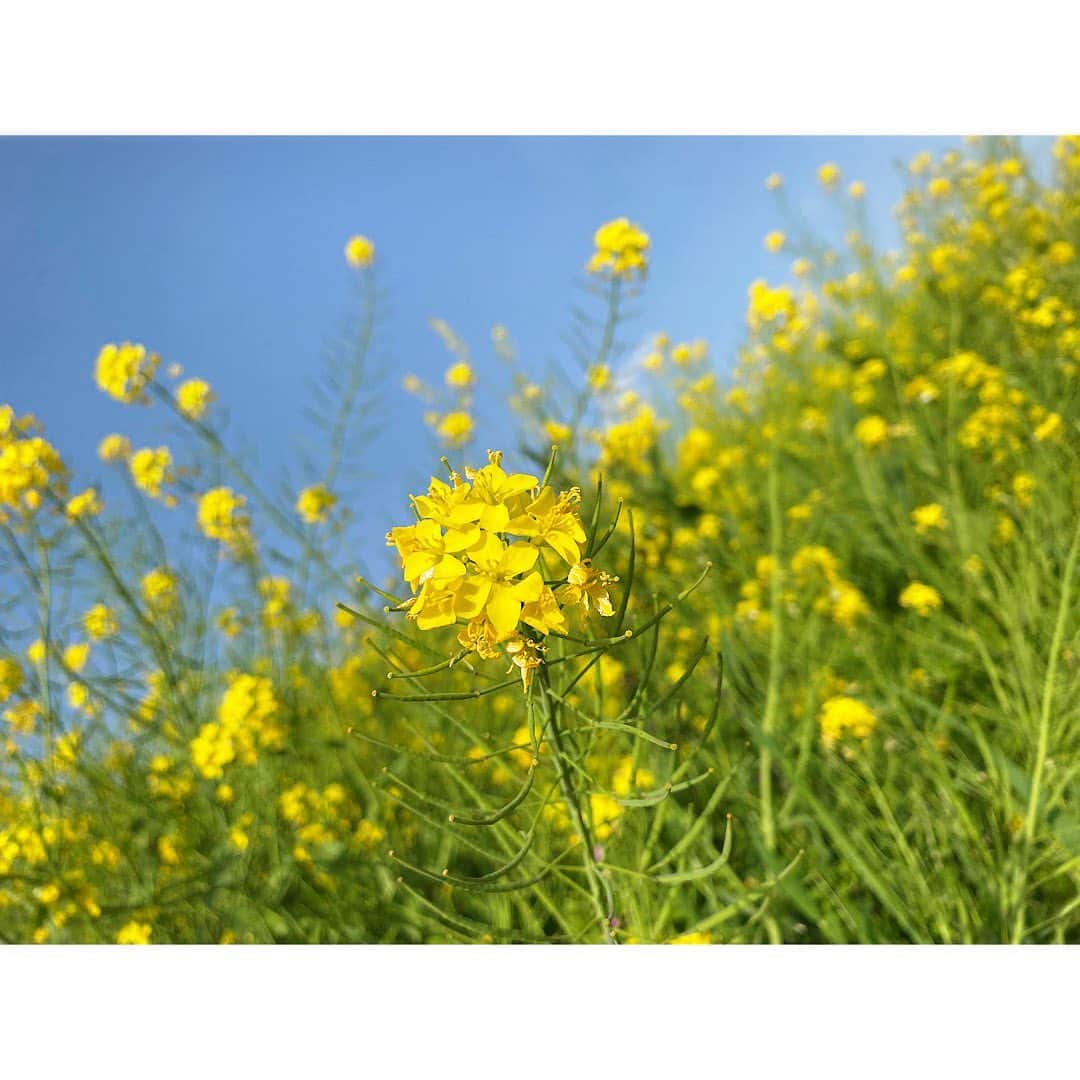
<point>598,888</point>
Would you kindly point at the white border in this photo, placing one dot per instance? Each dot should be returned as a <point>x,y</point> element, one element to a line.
<point>565,66</point>
<point>520,1012</point>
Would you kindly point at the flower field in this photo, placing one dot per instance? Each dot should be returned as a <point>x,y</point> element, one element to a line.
<point>780,647</point>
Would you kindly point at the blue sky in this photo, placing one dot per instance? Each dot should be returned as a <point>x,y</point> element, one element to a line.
<point>225,255</point>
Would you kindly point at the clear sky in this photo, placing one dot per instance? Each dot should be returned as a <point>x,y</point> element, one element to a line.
<point>225,255</point>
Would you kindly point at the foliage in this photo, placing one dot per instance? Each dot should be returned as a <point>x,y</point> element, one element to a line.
<point>820,683</point>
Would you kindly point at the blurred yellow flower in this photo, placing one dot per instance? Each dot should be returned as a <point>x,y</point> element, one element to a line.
<point>620,250</point>
<point>920,598</point>
<point>314,503</point>
<point>843,715</point>
<point>193,398</point>
<point>359,252</point>
<point>929,517</point>
<point>828,174</point>
<point>124,371</point>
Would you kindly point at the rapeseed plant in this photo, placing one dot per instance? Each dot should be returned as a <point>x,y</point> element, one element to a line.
<point>869,524</point>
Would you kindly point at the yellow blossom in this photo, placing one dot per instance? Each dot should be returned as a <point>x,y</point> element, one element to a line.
<point>359,252</point>
<point>620,250</point>
<point>920,598</point>
<point>134,933</point>
<point>221,517</point>
<point>843,715</point>
<point>929,517</point>
<point>193,398</point>
<point>124,371</point>
<point>314,503</point>
<point>459,375</point>
<point>114,448</point>
<point>151,469</point>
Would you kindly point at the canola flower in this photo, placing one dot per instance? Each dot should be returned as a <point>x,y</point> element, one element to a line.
<point>472,561</point>
<point>621,250</point>
<point>221,516</point>
<point>193,398</point>
<point>843,715</point>
<point>924,600</point>
<point>315,503</point>
<point>125,371</point>
<point>359,252</point>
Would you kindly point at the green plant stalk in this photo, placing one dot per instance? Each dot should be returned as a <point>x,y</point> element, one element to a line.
<point>1042,745</point>
<point>776,645</point>
<point>598,888</point>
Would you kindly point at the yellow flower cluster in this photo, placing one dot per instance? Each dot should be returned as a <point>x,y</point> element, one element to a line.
<point>314,503</point>
<point>920,598</point>
<point>124,371</point>
<point>359,252</point>
<point>844,715</point>
<point>471,558</point>
<point>221,517</point>
<point>193,398</point>
<point>245,722</point>
<point>151,469</point>
<point>100,622</point>
<point>326,817</point>
<point>620,250</point>
<point>28,463</point>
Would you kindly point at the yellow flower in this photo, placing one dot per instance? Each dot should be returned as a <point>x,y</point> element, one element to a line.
<point>100,623</point>
<point>134,933</point>
<point>553,521</point>
<point>920,163</point>
<point>315,503</point>
<point>455,428</point>
<point>151,469</point>
<point>159,588</point>
<point>857,189</point>
<point>939,187</point>
<point>929,517</point>
<point>369,835</point>
<point>23,716</point>
<point>1050,428</point>
<point>193,398</point>
<point>245,721</point>
<point>699,937</point>
<point>1023,486</point>
<point>526,656</point>
<point>85,504</point>
<point>1061,253</point>
<point>359,252</point>
<point>499,566</point>
<point>599,377</point>
<point>221,517</point>
<point>48,894</point>
<point>75,656</point>
<point>557,433</point>
<point>774,241</point>
<point>11,677</point>
<point>459,375</point>
<point>872,431</point>
<point>114,448</point>
<point>828,174</point>
<point>773,181</point>
<point>588,587</point>
<point>620,250</point>
<point>167,853</point>
<point>845,715</point>
<point>124,371</point>
<point>920,598</point>
<point>26,467</point>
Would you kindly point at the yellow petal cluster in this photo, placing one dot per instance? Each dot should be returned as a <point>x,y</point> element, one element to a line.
<point>620,250</point>
<point>124,371</point>
<point>486,552</point>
